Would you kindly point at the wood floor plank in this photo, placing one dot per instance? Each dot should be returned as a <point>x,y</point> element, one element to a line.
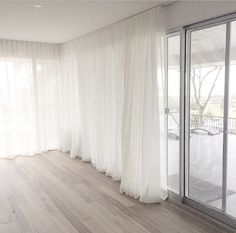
<point>51,193</point>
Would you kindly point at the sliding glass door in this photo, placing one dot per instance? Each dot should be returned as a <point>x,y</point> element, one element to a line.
<point>206,112</point>
<point>210,116</point>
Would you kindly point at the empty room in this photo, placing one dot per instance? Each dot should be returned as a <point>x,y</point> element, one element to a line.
<point>117,116</point>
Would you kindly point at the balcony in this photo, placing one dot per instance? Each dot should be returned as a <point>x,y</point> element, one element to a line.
<point>205,161</point>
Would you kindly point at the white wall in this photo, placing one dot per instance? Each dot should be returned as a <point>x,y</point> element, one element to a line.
<point>182,13</point>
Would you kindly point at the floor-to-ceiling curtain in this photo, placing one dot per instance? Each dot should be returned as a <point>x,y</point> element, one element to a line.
<point>142,122</point>
<point>29,75</point>
<point>111,99</point>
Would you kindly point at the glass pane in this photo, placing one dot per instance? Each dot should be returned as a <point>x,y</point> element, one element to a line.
<point>231,170</point>
<point>206,115</point>
<point>173,115</point>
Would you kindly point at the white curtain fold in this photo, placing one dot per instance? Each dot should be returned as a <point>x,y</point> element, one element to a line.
<point>28,97</point>
<point>112,113</point>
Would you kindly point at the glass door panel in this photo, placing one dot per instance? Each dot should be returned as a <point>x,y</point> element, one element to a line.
<point>206,114</point>
<point>231,156</point>
<point>173,95</point>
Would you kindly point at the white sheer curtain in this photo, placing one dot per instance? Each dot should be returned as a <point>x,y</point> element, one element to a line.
<point>98,97</point>
<point>29,107</point>
<point>142,133</point>
<point>112,112</point>
<point>92,87</point>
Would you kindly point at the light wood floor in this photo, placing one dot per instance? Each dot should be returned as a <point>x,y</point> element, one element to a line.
<point>51,193</point>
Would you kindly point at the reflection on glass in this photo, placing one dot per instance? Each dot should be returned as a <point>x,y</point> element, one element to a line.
<point>206,115</point>
<point>173,113</point>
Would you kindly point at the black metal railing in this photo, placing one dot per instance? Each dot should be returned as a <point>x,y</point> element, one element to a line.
<point>205,121</point>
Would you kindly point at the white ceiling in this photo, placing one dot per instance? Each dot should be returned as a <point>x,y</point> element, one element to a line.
<point>61,21</point>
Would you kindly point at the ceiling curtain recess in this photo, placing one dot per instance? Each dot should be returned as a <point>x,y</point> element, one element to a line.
<point>112,103</point>
<point>99,97</point>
